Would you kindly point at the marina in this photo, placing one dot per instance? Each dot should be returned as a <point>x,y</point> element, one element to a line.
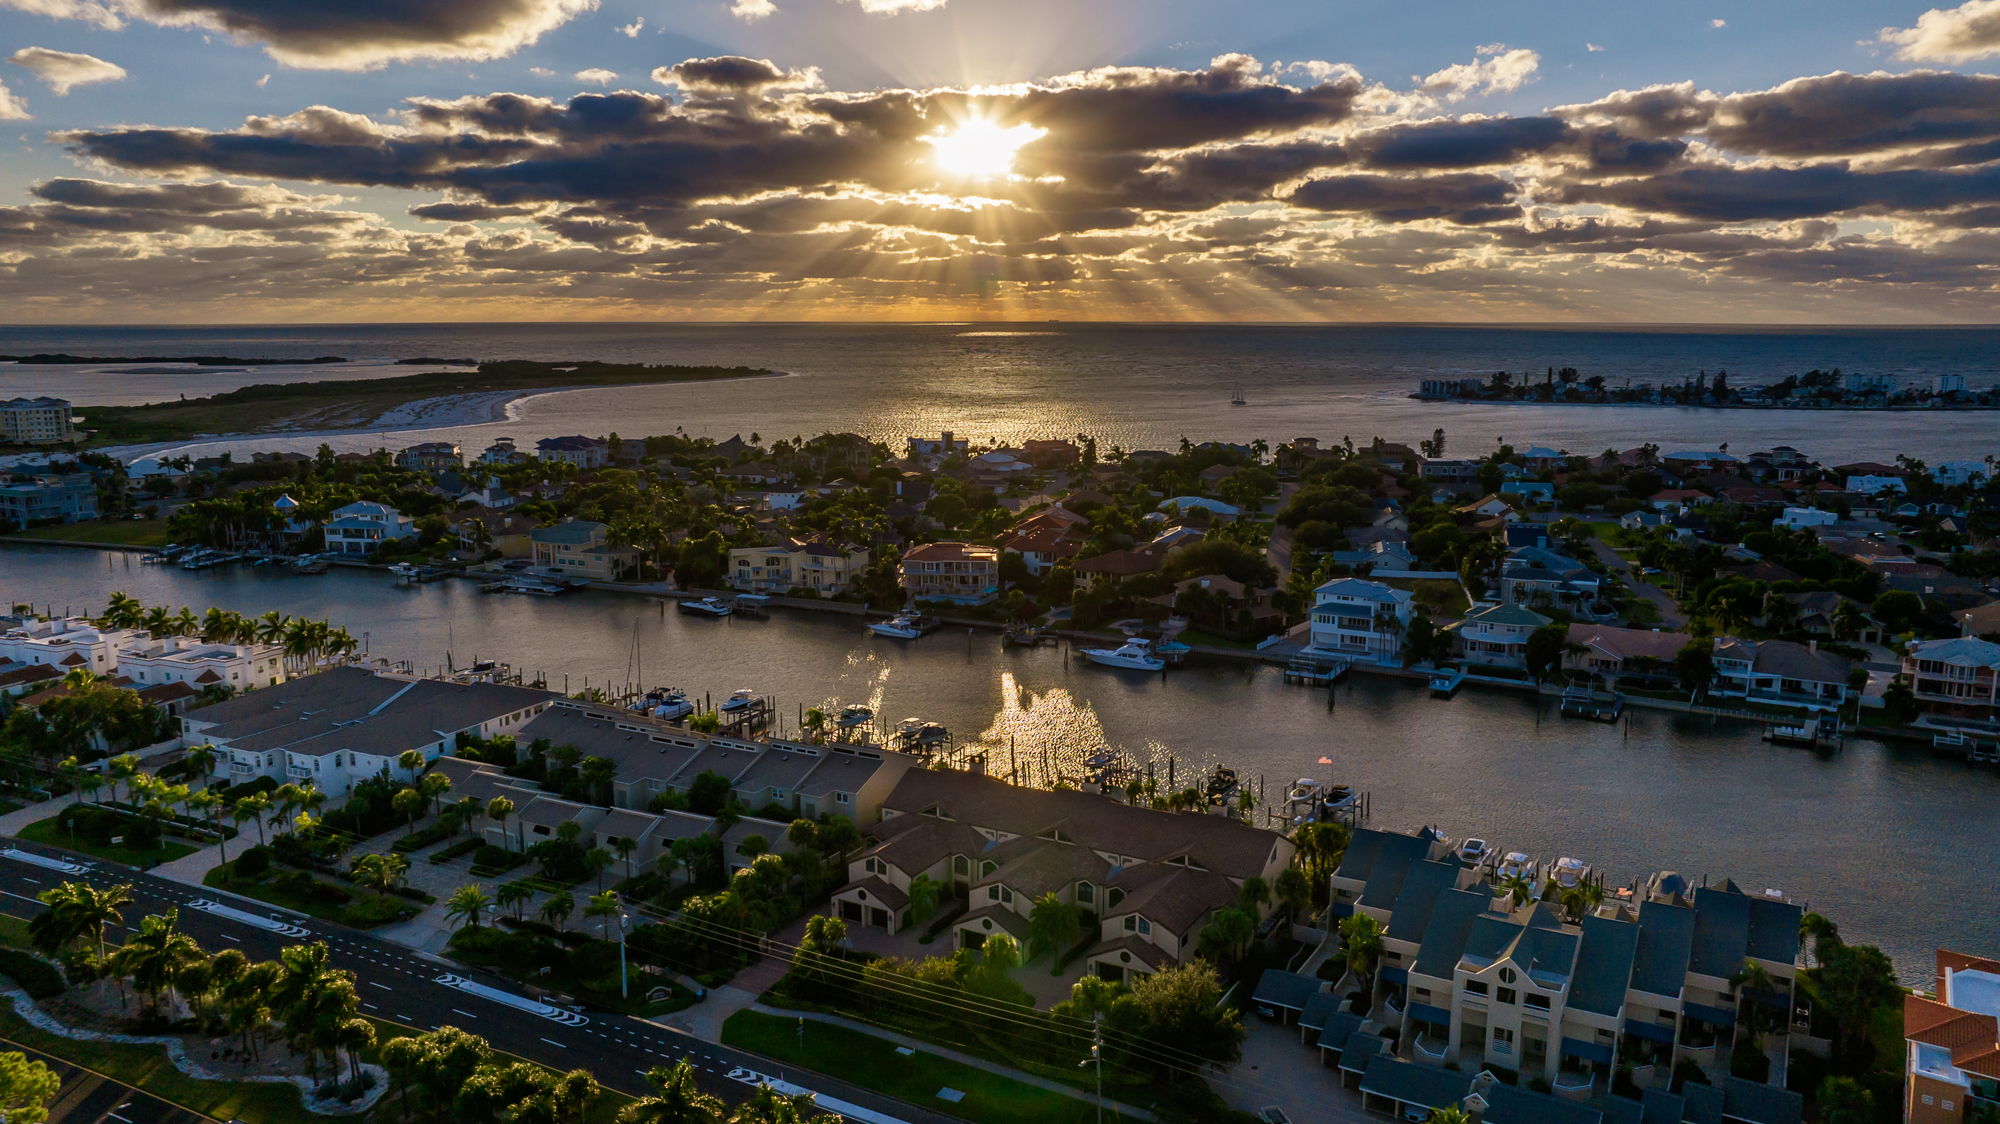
<point>1695,792</point>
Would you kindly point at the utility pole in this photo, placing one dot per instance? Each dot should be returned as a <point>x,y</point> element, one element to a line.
<point>1097,1055</point>
<point>624,977</point>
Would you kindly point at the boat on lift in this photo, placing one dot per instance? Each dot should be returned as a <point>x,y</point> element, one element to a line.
<point>741,702</point>
<point>1222,786</point>
<point>1569,873</point>
<point>706,607</point>
<point>1475,852</point>
<point>918,733</point>
<point>1133,655</point>
<point>854,715</point>
<point>1518,864</point>
<point>665,703</point>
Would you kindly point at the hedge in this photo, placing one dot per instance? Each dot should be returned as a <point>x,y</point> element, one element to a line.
<point>458,850</point>
<point>39,978</point>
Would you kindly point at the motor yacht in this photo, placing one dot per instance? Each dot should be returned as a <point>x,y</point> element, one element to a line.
<point>902,626</point>
<point>1569,873</point>
<point>1517,864</point>
<point>745,699</point>
<point>1475,853</point>
<point>854,715</point>
<point>706,607</point>
<point>1222,786</point>
<point>664,703</point>
<point>1133,655</point>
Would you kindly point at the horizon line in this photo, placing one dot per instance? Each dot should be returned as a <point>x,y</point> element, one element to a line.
<point>1557,325</point>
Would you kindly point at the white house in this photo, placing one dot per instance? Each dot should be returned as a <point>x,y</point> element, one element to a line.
<point>201,665</point>
<point>66,644</point>
<point>1800,517</point>
<point>1362,620</point>
<point>1953,473</point>
<point>1498,634</point>
<point>1220,510</point>
<point>1875,485</point>
<point>360,528</point>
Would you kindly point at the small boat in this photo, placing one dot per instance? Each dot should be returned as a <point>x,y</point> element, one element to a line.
<point>740,701</point>
<point>1305,790</point>
<point>1104,758</point>
<point>917,732</point>
<point>1221,787</point>
<point>533,587</point>
<point>902,626</point>
<point>854,715</point>
<point>706,607</point>
<point>1172,651</point>
<point>1569,873</point>
<point>1517,864</point>
<point>1133,655</point>
<point>1475,853</point>
<point>1446,683</point>
<point>1027,635</point>
<point>405,570</point>
<point>664,703</point>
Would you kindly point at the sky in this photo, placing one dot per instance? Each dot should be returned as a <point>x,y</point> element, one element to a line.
<point>1733,161</point>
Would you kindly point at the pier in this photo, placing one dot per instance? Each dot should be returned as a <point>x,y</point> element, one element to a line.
<point>1316,670</point>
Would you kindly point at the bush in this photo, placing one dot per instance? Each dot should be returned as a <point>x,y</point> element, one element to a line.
<point>457,850</point>
<point>39,978</point>
<point>418,840</point>
<point>252,863</point>
<point>101,825</point>
<point>489,859</point>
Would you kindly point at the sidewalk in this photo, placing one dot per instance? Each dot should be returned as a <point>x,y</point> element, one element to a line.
<point>922,1046</point>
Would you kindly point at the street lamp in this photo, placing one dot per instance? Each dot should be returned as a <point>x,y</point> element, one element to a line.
<point>624,977</point>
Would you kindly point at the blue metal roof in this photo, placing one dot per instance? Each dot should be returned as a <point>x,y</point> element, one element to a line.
<point>1651,1032</point>
<point>1444,937</point>
<point>1758,1103</point>
<point>1393,974</point>
<point>1411,1084</point>
<point>1507,1104</point>
<point>1319,1010</point>
<point>1588,1051</point>
<point>1421,888</point>
<point>1339,1028</point>
<point>1714,1016</point>
<point>1424,1012</point>
<point>1659,964</point>
<point>1604,966</point>
<point>1284,990</point>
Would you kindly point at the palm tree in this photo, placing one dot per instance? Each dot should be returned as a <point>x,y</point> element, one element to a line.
<point>557,909</point>
<point>411,762</point>
<point>81,908</point>
<point>625,845</point>
<point>1294,892</point>
<point>381,873</point>
<point>768,1106</point>
<point>200,759</point>
<point>1254,895</point>
<point>514,894</point>
<point>466,903</point>
<point>497,810</point>
<point>1361,945</point>
<point>1754,986</point>
<point>1518,887</point>
<point>123,611</point>
<point>1449,1114</point>
<point>159,621</point>
<point>252,807</point>
<point>155,955</point>
<point>676,1099</point>
<point>1823,934</point>
<point>408,803</point>
<point>1580,900</point>
<point>604,906</point>
<point>1227,936</point>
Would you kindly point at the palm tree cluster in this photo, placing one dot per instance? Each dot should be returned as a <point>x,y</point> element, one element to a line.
<point>309,1003</point>
<point>88,717</point>
<point>307,642</point>
<point>449,1074</point>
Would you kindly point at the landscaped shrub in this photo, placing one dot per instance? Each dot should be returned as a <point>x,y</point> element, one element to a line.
<point>489,859</point>
<point>39,978</point>
<point>457,850</point>
<point>252,863</point>
<point>418,840</point>
<point>102,825</point>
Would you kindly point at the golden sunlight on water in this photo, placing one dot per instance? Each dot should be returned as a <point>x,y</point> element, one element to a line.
<point>1039,738</point>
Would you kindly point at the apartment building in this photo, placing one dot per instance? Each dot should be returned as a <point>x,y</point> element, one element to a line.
<point>201,665</point>
<point>36,421</point>
<point>1361,620</point>
<point>796,564</point>
<point>52,498</point>
<point>430,456</point>
<point>1951,1068</point>
<point>1647,978</point>
<point>1956,679</point>
<point>65,643</point>
<point>950,571</point>
<point>346,724</point>
<point>1147,880</point>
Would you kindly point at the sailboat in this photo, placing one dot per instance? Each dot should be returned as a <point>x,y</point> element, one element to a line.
<point>1236,397</point>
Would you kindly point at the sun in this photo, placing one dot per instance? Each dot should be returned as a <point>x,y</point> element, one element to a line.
<point>980,149</point>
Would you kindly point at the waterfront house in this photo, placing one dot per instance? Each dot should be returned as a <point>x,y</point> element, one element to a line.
<point>1529,491</point>
<point>66,644</point>
<point>1496,635</point>
<point>1114,565</point>
<point>827,571</point>
<point>585,453</point>
<point>480,529</point>
<point>957,572</point>
<point>46,499</point>
<point>582,549</point>
<point>757,473</point>
<point>1686,463</point>
<point>926,448</point>
<point>1046,539</point>
<point>1875,485</point>
<point>430,456</point>
<point>1957,680</point>
<point>346,724</point>
<point>1780,672</point>
<point>1361,620</point>
<point>1146,880</point>
<point>502,452</point>
<point>1952,474</point>
<point>1616,655</point>
<point>1055,453</point>
<point>202,665</point>
<point>37,421</point>
<point>360,528</point>
<point>1951,1063</point>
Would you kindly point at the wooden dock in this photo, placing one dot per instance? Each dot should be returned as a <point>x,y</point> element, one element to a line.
<point>1316,670</point>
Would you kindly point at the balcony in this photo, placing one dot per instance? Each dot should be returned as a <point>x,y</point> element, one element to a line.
<point>240,768</point>
<point>299,770</point>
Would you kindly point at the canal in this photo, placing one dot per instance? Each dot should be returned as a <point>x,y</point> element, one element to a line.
<point>1898,847</point>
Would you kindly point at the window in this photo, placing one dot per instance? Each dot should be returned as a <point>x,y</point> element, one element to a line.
<point>1506,975</point>
<point>1503,1040</point>
<point>1475,987</point>
<point>1507,995</point>
<point>961,865</point>
<point>1539,1002</point>
<point>1086,893</point>
<point>987,868</point>
<point>843,798</point>
<point>876,866</point>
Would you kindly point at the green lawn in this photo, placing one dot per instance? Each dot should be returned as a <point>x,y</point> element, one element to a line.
<point>46,832</point>
<point>874,1063</point>
<point>1436,596</point>
<point>363,910</point>
<point>147,1067</point>
<point>118,532</point>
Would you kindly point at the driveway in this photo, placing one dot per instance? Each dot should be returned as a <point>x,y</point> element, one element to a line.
<point>1671,617</point>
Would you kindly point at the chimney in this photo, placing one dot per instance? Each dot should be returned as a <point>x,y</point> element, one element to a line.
<point>946,443</point>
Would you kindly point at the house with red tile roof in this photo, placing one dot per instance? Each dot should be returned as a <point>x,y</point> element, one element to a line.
<point>1951,1067</point>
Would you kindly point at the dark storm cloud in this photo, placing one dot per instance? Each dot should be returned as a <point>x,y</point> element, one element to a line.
<point>732,73</point>
<point>1465,199</point>
<point>451,211</point>
<point>78,206</point>
<point>361,34</point>
<point>1728,194</point>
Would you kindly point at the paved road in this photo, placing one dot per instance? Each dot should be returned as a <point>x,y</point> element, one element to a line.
<point>413,989</point>
<point>1671,617</point>
<point>90,1097</point>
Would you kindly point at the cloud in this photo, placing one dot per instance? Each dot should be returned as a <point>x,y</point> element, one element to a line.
<point>314,34</point>
<point>750,11</point>
<point>1963,34</point>
<point>1592,48</point>
<point>734,73</point>
<point>1718,23</point>
<point>596,76</point>
<point>264,81</point>
<point>632,30</point>
<point>470,211</point>
<point>1462,198</point>
<point>12,108</point>
<point>898,7</point>
<point>103,15</point>
<point>1498,70</point>
<point>541,72</point>
<point>63,71</point>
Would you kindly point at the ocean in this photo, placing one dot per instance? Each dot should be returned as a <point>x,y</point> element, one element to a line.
<point>1130,385</point>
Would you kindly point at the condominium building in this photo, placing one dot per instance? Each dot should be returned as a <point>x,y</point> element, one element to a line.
<point>950,571</point>
<point>36,421</point>
<point>201,665</point>
<point>56,498</point>
<point>1361,620</point>
<point>430,456</point>
<point>1951,1065</point>
<point>793,564</point>
<point>66,644</point>
<point>583,452</point>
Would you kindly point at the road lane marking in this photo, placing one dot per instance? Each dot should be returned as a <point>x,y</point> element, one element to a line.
<point>553,1042</point>
<point>384,987</point>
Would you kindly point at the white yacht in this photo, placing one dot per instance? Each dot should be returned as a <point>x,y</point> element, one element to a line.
<point>1517,864</point>
<point>667,704</point>
<point>1569,873</point>
<point>1475,853</point>
<point>1133,655</point>
<point>902,626</point>
<point>745,699</point>
<point>706,607</point>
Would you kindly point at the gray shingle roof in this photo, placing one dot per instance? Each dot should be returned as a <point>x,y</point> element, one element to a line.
<point>1444,938</point>
<point>1666,933</point>
<point>1413,1084</point>
<point>1604,966</point>
<point>1421,887</point>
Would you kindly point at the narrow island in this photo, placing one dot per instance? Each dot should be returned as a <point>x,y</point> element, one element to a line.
<point>63,358</point>
<point>363,403</point>
<point>1814,390</point>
